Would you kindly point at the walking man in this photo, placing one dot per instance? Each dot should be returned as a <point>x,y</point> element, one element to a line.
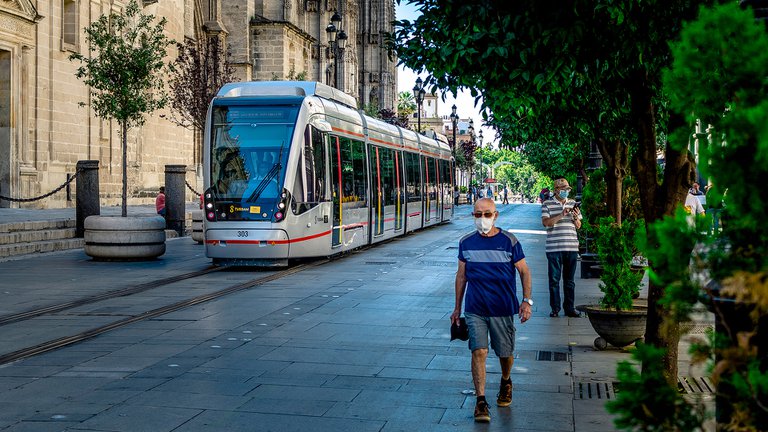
<point>562,220</point>
<point>488,261</point>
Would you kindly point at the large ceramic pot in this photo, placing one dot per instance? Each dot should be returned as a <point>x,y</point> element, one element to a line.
<point>124,238</point>
<point>618,328</point>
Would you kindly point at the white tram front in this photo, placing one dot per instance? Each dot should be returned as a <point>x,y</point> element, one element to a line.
<point>293,169</point>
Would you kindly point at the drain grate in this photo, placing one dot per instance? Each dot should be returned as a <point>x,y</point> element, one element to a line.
<point>438,263</point>
<point>451,247</point>
<point>695,385</point>
<point>551,356</point>
<point>380,262</point>
<point>594,390</point>
<point>696,328</point>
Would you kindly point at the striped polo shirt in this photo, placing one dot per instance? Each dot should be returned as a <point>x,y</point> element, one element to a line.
<point>490,269</point>
<point>561,237</point>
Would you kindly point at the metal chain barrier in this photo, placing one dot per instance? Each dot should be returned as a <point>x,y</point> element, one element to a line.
<point>189,186</point>
<point>42,196</point>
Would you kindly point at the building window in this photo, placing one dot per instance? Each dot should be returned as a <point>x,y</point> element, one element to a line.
<point>69,24</point>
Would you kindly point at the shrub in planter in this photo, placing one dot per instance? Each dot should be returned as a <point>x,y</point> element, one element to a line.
<point>616,248</point>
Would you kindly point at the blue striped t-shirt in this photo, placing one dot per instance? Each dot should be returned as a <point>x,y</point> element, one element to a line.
<point>490,269</point>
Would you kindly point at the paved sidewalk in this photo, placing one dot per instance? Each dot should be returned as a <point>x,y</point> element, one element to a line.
<point>8,215</point>
<point>357,344</point>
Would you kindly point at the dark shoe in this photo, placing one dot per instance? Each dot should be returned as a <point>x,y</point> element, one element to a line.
<point>481,412</point>
<point>573,314</point>
<point>553,314</point>
<point>504,397</point>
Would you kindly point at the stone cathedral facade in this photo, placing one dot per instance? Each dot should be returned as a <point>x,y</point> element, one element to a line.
<point>44,131</point>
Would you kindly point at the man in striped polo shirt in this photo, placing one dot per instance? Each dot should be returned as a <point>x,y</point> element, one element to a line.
<point>562,220</point>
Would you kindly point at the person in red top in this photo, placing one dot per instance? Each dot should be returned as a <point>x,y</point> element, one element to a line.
<point>160,202</point>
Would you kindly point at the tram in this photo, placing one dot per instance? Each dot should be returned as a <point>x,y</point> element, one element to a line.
<point>294,170</point>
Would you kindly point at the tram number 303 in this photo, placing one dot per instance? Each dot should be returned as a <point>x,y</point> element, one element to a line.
<point>242,233</point>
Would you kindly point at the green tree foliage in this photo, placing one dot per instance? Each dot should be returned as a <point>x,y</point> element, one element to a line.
<point>519,175</point>
<point>201,68</point>
<point>645,402</point>
<point>406,104</point>
<point>718,76</point>
<point>567,73</point>
<point>125,71</point>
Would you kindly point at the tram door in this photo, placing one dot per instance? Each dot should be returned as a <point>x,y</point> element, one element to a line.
<point>427,191</point>
<point>336,190</point>
<point>399,195</point>
<point>377,190</point>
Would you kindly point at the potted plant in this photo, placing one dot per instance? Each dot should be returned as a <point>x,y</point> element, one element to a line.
<point>124,74</point>
<point>617,320</point>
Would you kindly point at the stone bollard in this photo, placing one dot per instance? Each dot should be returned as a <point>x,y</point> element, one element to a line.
<point>198,233</point>
<point>175,211</point>
<point>87,194</point>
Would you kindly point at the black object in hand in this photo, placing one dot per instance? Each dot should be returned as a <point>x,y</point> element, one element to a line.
<point>460,331</point>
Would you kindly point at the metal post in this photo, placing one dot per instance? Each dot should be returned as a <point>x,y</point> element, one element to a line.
<point>86,194</point>
<point>69,188</point>
<point>175,213</point>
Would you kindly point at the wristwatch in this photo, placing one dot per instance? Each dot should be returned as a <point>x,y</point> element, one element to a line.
<point>529,301</point>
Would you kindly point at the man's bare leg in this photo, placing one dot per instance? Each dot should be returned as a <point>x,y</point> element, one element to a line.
<point>478,370</point>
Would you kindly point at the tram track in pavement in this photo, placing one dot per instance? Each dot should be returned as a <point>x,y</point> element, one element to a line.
<point>90,333</point>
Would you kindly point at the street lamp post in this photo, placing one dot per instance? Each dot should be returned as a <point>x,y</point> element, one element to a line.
<point>454,121</point>
<point>471,133</point>
<point>337,40</point>
<point>418,94</point>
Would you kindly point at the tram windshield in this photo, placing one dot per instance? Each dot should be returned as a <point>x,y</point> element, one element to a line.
<point>249,151</point>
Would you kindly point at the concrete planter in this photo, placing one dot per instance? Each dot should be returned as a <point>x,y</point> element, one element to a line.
<point>618,328</point>
<point>124,238</point>
<point>198,233</point>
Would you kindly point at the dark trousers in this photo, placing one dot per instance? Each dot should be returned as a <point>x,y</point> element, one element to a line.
<point>562,264</point>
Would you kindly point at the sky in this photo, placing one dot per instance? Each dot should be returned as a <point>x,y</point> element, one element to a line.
<point>465,103</point>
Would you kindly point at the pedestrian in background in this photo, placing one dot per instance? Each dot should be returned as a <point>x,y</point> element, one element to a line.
<point>488,261</point>
<point>506,193</point>
<point>561,218</point>
<point>160,202</point>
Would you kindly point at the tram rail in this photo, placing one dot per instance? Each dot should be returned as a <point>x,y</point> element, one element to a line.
<point>50,309</point>
<point>87,334</point>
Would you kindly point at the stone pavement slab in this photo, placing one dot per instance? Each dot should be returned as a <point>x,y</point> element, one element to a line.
<point>357,344</point>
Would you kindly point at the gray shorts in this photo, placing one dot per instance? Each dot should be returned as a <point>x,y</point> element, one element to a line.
<point>502,331</point>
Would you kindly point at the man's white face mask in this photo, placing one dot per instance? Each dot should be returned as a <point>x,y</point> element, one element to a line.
<point>484,224</point>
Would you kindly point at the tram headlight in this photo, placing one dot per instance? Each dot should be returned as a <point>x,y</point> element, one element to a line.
<point>211,216</point>
<point>209,206</point>
<point>285,197</point>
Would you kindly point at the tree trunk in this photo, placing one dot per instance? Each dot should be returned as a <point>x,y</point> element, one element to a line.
<point>616,158</point>
<point>657,201</point>
<point>124,129</point>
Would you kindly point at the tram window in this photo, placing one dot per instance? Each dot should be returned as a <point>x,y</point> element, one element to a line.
<point>353,173</point>
<point>388,185</point>
<point>413,172</point>
<point>360,170</point>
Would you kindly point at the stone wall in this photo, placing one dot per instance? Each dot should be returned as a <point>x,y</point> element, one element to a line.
<point>61,132</point>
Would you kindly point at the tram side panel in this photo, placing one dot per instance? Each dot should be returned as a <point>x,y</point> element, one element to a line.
<point>309,215</point>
